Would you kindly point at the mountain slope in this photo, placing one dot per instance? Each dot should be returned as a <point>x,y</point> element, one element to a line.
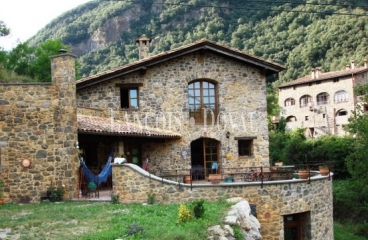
<point>298,34</point>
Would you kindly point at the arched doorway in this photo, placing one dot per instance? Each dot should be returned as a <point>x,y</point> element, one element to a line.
<point>204,157</point>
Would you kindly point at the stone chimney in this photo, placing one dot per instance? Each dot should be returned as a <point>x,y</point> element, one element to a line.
<point>352,64</point>
<point>143,46</point>
<point>318,72</point>
<point>313,71</point>
<point>347,67</point>
<point>365,63</point>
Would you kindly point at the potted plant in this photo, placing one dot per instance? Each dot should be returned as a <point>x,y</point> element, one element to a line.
<point>304,174</point>
<point>324,170</point>
<point>1,192</point>
<point>214,177</point>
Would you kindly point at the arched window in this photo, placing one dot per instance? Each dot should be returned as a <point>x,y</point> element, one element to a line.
<point>202,97</point>
<point>341,96</point>
<point>289,102</point>
<point>341,112</point>
<point>305,101</point>
<point>323,98</point>
<point>290,119</point>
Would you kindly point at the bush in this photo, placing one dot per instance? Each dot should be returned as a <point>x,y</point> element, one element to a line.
<point>198,208</point>
<point>184,214</point>
<point>55,194</point>
<point>151,198</point>
<point>115,198</point>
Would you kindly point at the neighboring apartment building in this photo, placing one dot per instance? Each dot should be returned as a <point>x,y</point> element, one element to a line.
<point>321,102</point>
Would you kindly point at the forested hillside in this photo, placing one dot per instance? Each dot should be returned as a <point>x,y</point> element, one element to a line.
<point>299,34</point>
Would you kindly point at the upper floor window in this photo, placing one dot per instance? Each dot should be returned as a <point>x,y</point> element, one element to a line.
<point>323,98</point>
<point>305,101</point>
<point>202,97</point>
<point>129,95</point>
<point>289,102</point>
<point>341,96</point>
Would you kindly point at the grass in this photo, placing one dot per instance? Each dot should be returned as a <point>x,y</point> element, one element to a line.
<point>344,232</point>
<point>85,220</point>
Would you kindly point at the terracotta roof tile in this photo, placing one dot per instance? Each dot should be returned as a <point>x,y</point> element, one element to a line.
<point>104,126</point>
<point>324,76</point>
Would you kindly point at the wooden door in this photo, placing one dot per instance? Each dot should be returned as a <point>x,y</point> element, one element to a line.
<point>211,159</point>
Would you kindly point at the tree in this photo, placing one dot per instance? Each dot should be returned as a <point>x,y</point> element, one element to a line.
<point>41,65</point>
<point>4,31</point>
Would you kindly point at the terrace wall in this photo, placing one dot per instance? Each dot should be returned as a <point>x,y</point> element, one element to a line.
<point>273,201</point>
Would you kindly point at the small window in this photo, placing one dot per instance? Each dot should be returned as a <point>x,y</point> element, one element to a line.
<point>289,102</point>
<point>335,80</point>
<point>365,108</point>
<point>306,118</point>
<point>290,119</point>
<point>129,98</point>
<point>294,87</point>
<point>305,101</point>
<point>341,96</point>
<point>245,147</point>
<point>341,112</point>
<point>323,98</point>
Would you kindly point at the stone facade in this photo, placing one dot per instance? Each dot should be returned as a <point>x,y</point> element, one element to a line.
<point>163,104</point>
<point>274,201</point>
<point>38,122</point>
<point>322,116</point>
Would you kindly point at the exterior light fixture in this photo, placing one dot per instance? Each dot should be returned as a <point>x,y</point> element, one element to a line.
<point>228,135</point>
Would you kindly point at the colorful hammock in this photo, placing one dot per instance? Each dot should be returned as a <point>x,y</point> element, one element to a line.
<point>102,176</point>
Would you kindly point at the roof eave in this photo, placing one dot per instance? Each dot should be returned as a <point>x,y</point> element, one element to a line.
<point>127,135</point>
<point>269,67</point>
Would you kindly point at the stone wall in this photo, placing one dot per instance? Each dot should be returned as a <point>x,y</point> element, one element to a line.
<point>163,103</point>
<point>273,201</point>
<point>38,122</point>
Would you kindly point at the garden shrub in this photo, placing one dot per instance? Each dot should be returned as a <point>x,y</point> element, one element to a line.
<point>198,208</point>
<point>55,194</point>
<point>184,214</point>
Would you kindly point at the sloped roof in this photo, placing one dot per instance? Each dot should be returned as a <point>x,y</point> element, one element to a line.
<point>325,76</point>
<point>202,44</point>
<point>104,126</point>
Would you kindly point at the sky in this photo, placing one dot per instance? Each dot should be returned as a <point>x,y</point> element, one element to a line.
<point>26,17</point>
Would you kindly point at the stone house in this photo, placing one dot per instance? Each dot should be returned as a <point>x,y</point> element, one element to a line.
<point>322,102</point>
<point>185,108</point>
<point>198,107</point>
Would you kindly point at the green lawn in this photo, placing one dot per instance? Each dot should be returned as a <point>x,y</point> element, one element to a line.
<point>86,220</point>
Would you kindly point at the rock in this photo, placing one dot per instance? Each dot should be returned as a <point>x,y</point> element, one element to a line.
<point>240,215</point>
